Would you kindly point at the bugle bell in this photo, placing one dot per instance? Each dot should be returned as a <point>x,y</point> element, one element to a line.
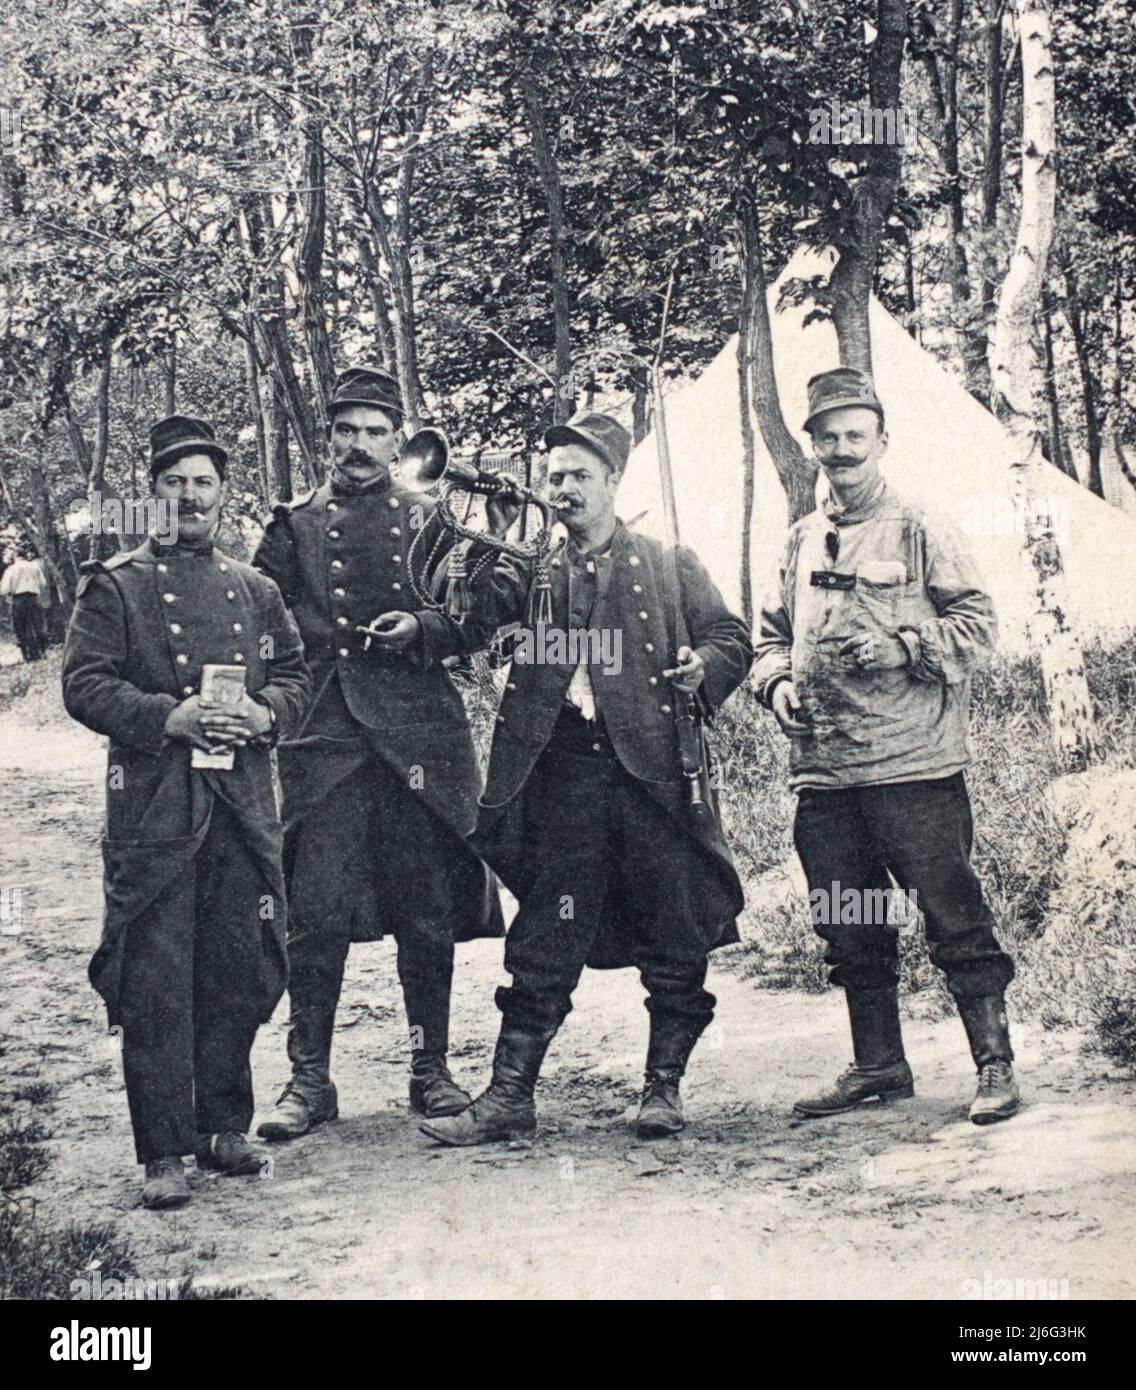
<point>424,461</point>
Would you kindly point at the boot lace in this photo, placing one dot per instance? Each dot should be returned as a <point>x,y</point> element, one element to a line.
<point>993,1077</point>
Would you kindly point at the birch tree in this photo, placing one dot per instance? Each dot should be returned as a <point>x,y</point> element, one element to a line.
<point>1018,382</point>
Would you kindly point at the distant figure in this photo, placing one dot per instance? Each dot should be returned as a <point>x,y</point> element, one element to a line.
<point>27,584</point>
<point>864,656</point>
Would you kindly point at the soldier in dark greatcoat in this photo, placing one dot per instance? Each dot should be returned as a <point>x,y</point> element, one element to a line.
<point>585,813</point>
<point>381,782</point>
<point>192,959</point>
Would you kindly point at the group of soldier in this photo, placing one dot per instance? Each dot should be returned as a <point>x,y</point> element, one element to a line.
<point>219,895</point>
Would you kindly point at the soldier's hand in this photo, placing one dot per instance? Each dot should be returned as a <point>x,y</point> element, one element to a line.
<point>392,631</point>
<point>688,675</point>
<point>502,509</point>
<point>184,723</point>
<point>236,726</point>
<point>787,709</point>
<point>869,652</point>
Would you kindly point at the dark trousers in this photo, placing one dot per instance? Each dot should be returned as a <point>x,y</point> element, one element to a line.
<point>374,857</point>
<point>190,969</point>
<point>600,849</point>
<point>316,960</point>
<point>29,626</point>
<point>922,834</point>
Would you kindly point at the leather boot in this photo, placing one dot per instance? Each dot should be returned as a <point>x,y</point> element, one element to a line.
<point>670,1044</point>
<point>988,1033</point>
<point>310,1096</point>
<point>506,1108</point>
<point>433,1091</point>
<point>165,1185</point>
<point>879,1070</point>
<point>230,1154</point>
<point>425,967</point>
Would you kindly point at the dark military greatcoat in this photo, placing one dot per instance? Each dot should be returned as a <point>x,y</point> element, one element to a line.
<point>145,622</point>
<point>620,592</point>
<point>341,559</point>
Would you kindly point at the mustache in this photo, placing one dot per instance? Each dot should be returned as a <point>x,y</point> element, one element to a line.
<point>357,456</point>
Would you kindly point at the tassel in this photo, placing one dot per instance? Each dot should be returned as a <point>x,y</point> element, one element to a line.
<point>459,596</point>
<point>540,597</point>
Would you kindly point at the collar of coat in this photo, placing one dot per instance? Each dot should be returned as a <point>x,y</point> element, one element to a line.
<point>342,486</point>
<point>179,548</point>
<point>873,501</point>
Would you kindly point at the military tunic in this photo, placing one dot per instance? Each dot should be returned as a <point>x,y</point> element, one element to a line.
<point>597,815</point>
<point>387,735</point>
<point>192,957</point>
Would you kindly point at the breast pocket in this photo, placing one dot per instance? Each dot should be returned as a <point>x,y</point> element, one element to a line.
<point>887,604</point>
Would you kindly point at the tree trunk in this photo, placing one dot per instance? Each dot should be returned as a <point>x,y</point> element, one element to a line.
<point>1058,453</point>
<point>256,406</point>
<point>944,83</point>
<point>1016,377</point>
<point>310,256</point>
<point>384,331</point>
<point>994,107</point>
<point>169,377</point>
<point>396,254</point>
<point>280,463</point>
<point>797,474</point>
<point>1076,318</point>
<point>269,318</point>
<point>640,400</point>
<point>309,267</point>
<point>565,402</point>
<point>872,196</point>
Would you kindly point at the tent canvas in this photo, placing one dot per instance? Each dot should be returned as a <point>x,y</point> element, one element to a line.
<point>947,454</point>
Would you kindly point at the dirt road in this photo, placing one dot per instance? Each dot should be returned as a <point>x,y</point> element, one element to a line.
<point>910,1201</point>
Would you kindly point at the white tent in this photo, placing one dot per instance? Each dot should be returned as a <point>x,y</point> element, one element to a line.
<point>947,453</point>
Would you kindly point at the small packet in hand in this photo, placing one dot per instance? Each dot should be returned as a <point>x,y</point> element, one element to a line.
<point>222,686</point>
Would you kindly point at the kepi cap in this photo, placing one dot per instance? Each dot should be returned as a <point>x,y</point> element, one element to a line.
<point>178,435</point>
<point>601,433</point>
<point>842,386</point>
<point>367,386</point>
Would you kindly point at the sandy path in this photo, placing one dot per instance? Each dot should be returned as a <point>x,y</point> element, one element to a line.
<point>907,1201</point>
